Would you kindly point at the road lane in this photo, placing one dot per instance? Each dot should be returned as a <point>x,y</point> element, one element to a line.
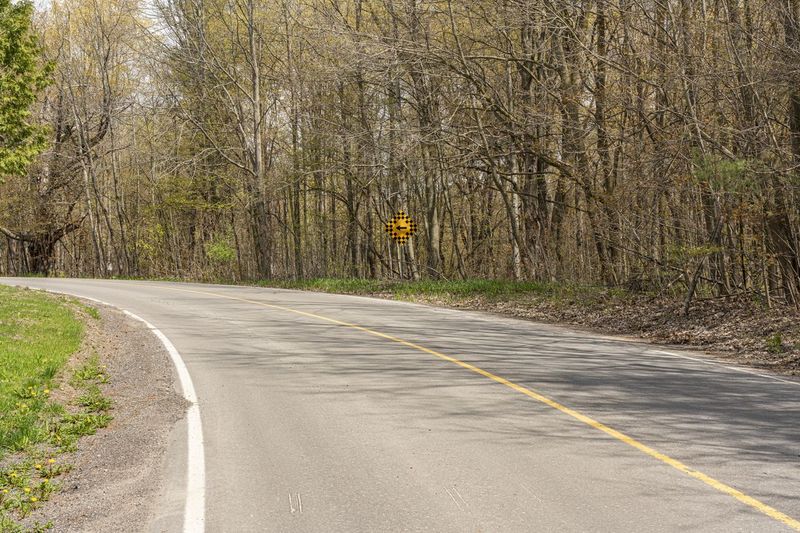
<point>311,426</point>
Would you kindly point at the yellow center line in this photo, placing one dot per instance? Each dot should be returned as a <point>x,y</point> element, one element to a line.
<point>678,465</point>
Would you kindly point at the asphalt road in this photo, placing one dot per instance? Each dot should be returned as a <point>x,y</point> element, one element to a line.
<point>425,419</point>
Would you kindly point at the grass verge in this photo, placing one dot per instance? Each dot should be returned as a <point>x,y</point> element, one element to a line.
<point>453,290</point>
<point>46,404</point>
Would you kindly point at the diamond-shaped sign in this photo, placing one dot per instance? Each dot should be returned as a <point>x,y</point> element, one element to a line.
<point>400,227</point>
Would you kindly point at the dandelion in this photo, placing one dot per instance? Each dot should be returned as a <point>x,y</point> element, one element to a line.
<point>47,391</point>
<point>34,499</point>
<point>51,461</point>
<point>5,491</point>
<point>13,474</point>
<point>27,490</point>
<point>37,466</point>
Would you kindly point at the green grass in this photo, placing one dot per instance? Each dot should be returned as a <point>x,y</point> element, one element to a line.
<point>38,335</point>
<point>90,372</point>
<point>92,312</point>
<point>428,287</point>
<point>452,290</point>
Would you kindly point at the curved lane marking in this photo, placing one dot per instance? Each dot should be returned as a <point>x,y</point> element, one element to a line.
<point>630,441</point>
<point>194,507</point>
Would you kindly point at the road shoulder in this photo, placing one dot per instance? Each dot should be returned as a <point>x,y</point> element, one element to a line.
<point>118,476</point>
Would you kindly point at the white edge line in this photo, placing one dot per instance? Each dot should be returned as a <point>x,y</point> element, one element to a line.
<point>194,509</point>
<point>723,365</point>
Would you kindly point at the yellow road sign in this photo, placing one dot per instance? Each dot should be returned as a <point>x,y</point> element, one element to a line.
<point>400,227</point>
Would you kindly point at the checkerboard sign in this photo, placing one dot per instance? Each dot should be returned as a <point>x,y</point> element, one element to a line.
<point>400,227</point>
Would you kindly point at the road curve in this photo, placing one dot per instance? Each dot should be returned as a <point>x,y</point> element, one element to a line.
<point>327,413</point>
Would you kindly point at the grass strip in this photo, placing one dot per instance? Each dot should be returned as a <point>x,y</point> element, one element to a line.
<point>39,333</point>
<point>455,290</point>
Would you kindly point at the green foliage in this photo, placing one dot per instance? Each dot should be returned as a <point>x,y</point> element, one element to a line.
<point>220,252</point>
<point>22,77</point>
<point>78,425</point>
<point>94,400</point>
<point>90,372</point>
<point>724,174</point>
<point>775,343</point>
<point>24,484</point>
<point>92,312</point>
<point>682,253</point>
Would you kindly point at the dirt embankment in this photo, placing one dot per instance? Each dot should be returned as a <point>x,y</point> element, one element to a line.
<point>117,476</point>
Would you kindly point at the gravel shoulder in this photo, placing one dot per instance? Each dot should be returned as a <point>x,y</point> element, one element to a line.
<point>118,475</point>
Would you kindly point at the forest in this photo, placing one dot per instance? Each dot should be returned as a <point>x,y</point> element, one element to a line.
<point>652,145</point>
